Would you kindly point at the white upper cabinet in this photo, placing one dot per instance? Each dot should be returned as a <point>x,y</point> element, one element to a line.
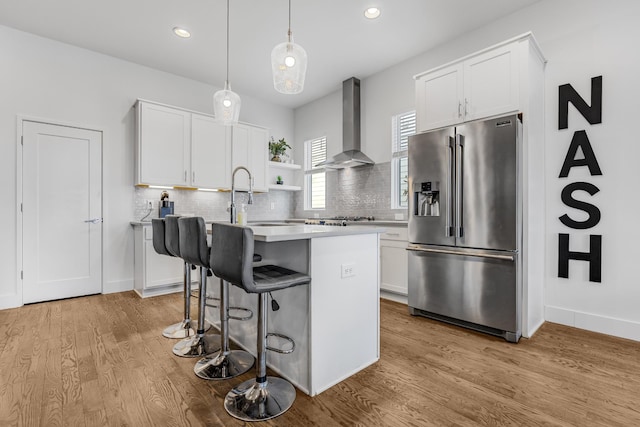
<point>181,148</point>
<point>478,86</point>
<point>438,98</point>
<point>250,148</point>
<point>491,83</point>
<point>210,153</point>
<point>162,155</point>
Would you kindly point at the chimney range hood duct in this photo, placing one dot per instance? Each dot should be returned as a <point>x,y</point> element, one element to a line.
<point>351,156</point>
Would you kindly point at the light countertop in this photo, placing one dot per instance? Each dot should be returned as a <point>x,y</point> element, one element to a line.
<point>294,231</point>
<point>280,233</point>
<point>376,222</point>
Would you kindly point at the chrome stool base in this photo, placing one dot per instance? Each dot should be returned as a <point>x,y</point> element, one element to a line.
<point>182,329</point>
<point>179,330</point>
<point>197,345</point>
<point>253,401</point>
<point>223,366</point>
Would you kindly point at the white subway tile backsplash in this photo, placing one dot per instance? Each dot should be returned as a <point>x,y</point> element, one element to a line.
<point>213,205</point>
<point>363,191</point>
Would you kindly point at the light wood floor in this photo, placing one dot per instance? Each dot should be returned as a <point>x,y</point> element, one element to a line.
<point>101,360</point>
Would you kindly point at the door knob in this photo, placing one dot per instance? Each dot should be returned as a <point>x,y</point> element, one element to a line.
<point>94,220</point>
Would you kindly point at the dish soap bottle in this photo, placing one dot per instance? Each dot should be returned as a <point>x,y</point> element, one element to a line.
<point>241,217</point>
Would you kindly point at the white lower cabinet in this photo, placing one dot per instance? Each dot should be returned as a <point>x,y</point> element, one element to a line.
<point>394,260</point>
<point>155,274</point>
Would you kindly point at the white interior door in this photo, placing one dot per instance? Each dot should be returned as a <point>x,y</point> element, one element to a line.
<point>62,212</point>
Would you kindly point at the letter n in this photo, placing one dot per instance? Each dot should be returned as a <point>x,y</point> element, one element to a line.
<point>567,94</point>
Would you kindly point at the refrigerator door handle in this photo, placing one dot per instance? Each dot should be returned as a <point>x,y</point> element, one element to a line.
<point>452,252</point>
<point>448,226</point>
<point>459,185</point>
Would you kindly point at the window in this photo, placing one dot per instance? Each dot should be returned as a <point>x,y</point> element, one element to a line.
<point>315,151</point>
<point>402,126</point>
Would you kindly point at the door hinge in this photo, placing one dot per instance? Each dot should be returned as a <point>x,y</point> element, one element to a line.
<point>20,207</point>
<point>22,140</point>
<point>21,275</point>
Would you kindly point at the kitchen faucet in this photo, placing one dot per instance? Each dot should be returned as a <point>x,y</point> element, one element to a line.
<point>232,208</point>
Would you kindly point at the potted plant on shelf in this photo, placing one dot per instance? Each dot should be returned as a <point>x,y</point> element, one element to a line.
<point>277,148</point>
<point>279,180</point>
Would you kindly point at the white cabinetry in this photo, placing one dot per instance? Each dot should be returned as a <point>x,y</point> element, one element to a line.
<point>286,171</point>
<point>250,148</point>
<point>181,148</point>
<point>210,153</point>
<point>154,274</point>
<point>503,79</point>
<point>438,98</point>
<point>163,143</point>
<point>480,85</point>
<point>394,264</point>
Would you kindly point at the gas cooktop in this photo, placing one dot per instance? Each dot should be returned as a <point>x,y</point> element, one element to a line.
<point>337,220</point>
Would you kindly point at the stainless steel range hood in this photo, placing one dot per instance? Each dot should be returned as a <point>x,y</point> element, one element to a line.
<point>351,156</point>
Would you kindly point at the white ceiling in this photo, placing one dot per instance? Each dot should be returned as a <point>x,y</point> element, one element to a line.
<point>339,41</point>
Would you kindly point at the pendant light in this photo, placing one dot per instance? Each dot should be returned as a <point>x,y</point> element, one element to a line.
<point>226,103</point>
<point>289,64</point>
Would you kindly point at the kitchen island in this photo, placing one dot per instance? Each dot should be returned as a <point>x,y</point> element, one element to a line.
<point>334,320</point>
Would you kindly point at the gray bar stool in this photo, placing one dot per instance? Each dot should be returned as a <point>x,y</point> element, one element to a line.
<point>264,397</point>
<point>160,239</point>
<point>226,363</point>
<point>194,250</point>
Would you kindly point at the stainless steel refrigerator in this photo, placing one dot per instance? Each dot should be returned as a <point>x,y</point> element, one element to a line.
<point>465,220</point>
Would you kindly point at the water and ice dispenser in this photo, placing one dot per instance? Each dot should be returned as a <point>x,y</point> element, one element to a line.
<point>426,198</point>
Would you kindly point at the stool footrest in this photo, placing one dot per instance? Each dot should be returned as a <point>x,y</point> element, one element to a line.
<point>284,337</point>
<point>246,317</point>
<point>212,299</point>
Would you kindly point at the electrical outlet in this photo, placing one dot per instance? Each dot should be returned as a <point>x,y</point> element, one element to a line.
<point>348,270</point>
<point>273,205</point>
<point>149,204</point>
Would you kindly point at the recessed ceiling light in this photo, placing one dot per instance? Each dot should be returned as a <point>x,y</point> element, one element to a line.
<point>372,12</point>
<point>181,32</point>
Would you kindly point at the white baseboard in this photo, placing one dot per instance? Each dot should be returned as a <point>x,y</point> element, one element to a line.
<point>532,329</point>
<point>593,322</point>
<point>10,301</point>
<point>393,296</point>
<point>117,286</point>
<point>14,301</point>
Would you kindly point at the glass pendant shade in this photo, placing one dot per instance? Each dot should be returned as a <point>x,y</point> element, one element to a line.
<point>226,103</point>
<point>289,66</point>
<point>226,106</point>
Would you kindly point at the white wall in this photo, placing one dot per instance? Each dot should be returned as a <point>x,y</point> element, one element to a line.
<point>322,117</point>
<point>581,39</point>
<point>50,80</point>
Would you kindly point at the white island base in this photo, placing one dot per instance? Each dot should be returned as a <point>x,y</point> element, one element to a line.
<point>334,320</point>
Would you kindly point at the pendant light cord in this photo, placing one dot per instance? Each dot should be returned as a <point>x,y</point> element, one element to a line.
<point>289,32</point>
<point>227,79</point>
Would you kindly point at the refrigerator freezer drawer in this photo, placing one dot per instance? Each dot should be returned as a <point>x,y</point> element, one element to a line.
<point>477,287</point>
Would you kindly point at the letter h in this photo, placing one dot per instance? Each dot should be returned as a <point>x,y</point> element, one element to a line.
<point>594,256</point>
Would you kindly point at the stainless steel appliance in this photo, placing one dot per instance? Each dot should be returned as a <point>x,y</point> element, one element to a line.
<point>351,156</point>
<point>337,220</point>
<point>465,220</point>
